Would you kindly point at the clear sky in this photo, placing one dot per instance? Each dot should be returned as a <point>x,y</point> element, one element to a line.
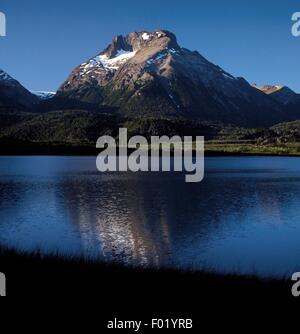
<point>250,38</point>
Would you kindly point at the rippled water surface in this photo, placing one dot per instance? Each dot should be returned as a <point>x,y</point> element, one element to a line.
<point>244,217</point>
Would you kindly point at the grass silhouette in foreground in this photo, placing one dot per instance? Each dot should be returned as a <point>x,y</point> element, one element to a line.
<point>35,281</point>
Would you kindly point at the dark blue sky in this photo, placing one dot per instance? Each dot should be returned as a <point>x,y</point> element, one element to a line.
<point>253,39</point>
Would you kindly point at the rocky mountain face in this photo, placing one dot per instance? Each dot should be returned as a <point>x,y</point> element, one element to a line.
<point>147,74</point>
<point>13,96</point>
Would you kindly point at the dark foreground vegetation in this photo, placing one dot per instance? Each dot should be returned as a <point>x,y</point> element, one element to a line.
<point>75,132</point>
<point>52,283</point>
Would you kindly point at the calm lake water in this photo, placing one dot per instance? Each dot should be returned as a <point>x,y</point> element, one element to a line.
<point>243,218</point>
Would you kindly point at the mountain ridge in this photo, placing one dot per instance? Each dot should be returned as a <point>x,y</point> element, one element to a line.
<point>282,94</point>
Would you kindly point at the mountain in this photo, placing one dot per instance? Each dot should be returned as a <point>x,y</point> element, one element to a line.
<point>149,84</point>
<point>287,97</point>
<point>44,95</point>
<point>13,96</point>
<point>147,74</point>
<point>268,89</point>
<point>282,94</point>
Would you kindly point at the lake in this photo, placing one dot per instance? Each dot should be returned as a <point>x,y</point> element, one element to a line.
<point>243,218</point>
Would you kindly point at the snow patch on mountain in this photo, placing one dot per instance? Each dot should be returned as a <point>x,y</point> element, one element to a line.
<point>44,95</point>
<point>158,57</point>
<point>114,63</point>
<point>173,51</point>
<point>161,55</point>
<point>228,76</point>
<point>5,77</point>
<point>111,64</point>
<point>145,36</point>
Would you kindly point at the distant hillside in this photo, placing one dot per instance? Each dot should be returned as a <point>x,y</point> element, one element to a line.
<point>76,128</point>
<point>81,127</point>
<point>287,132</point>
<point>13,96</point>
<point>85,127</point>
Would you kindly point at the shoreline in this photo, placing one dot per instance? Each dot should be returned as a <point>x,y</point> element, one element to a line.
<point>211,150</point>
<point>208,154</point>
<point>72,280</point>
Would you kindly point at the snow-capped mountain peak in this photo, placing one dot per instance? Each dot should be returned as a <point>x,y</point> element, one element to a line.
<point>123,49</point>
<point>149,70</point>
<point>138,48</point>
